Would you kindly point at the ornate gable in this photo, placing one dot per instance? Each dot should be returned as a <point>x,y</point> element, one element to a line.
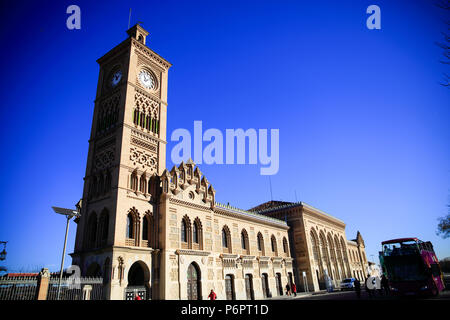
<point>187,183</point>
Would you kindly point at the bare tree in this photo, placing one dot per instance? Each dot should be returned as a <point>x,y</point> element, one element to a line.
<point>444,227</point>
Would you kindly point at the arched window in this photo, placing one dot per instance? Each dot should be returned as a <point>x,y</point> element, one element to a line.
<point>186,233</point>
<point>133,228</point>
<point>261,244</point>
<point>145,229</point>
<point>134,181</point>
<point>135,116</point>
<point>130,226</point>
<point>226,240</point>
<point>195,233</point>
<point>141,119</point>
<point>183,231</point>
<point>142,184</point>
<point>273,242</point>
<point>147,120</point>
<point>154,125</point>
<point>285,246</point>
<point>244,242</point>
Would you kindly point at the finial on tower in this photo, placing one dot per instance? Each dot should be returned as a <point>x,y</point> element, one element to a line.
<point>138,33</point>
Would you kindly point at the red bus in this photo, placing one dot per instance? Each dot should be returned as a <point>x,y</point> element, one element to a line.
<point>411,266</point>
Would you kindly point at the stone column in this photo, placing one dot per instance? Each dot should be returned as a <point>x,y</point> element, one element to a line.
<point>42,284</point>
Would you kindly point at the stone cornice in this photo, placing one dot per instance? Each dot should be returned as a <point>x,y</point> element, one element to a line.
<point>191,252</point>
<point>306,207</point>
<point>138,171</point>
<point>251,217</point>
<point>189,204</point>
<point>144,133</point>
<point>133,249</point>
<point>245,257</point>
<point>149,53</point>
<point>312,212</point>
<point>109,248</point>
<point>263,258</point>
<point>146,94</point>
<point>277,259</point>
<point>228,256</point>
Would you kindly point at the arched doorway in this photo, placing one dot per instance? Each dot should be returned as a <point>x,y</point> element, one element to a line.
<point>320,281</point>
<point>265,285</point>
<point>229,287</point>
<point>249,287</point>
<point>193,282</point>
<point>138,278</point>
<point>279,285</point>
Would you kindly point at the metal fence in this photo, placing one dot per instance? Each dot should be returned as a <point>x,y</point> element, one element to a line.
<point>27,287</point>
<point>18,288</point>
<point>80,289</point>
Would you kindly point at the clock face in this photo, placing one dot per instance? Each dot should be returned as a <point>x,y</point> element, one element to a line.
<point>117,76</point>
<point>146,79</point>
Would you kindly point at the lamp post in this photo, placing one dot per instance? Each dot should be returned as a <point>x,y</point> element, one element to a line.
<point>69,213</point>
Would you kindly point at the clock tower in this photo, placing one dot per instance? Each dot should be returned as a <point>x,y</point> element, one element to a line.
<point>116,235</point>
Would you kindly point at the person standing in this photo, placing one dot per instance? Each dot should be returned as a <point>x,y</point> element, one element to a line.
<point>288,290</point>
<point>357,288</point>
<point>294,289</point>
<point>212,295</point>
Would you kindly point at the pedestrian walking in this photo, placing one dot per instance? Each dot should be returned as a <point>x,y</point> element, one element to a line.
<point>294,289</point>
<point>357,288</point>
<point>212,295</point>
<point>288,290</point>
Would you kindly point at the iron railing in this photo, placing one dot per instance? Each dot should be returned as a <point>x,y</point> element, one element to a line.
<point>86,288</point>
<point>18,288</point>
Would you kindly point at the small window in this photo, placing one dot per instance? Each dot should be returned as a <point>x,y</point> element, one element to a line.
<point>224,239</point>
<point>183,231</point>
<point>129,226</point>
<point>145,229</point>
<point>195,233</point>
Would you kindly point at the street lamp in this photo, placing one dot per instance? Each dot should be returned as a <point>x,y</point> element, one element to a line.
<point>69,213</point>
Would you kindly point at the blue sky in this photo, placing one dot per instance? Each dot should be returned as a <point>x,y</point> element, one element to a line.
<point>363,121</point>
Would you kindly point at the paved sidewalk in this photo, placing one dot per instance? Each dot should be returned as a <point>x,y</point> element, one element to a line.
<point>299,295</point>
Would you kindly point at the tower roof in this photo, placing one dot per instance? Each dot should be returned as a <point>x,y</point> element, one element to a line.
<point>138,33</point>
